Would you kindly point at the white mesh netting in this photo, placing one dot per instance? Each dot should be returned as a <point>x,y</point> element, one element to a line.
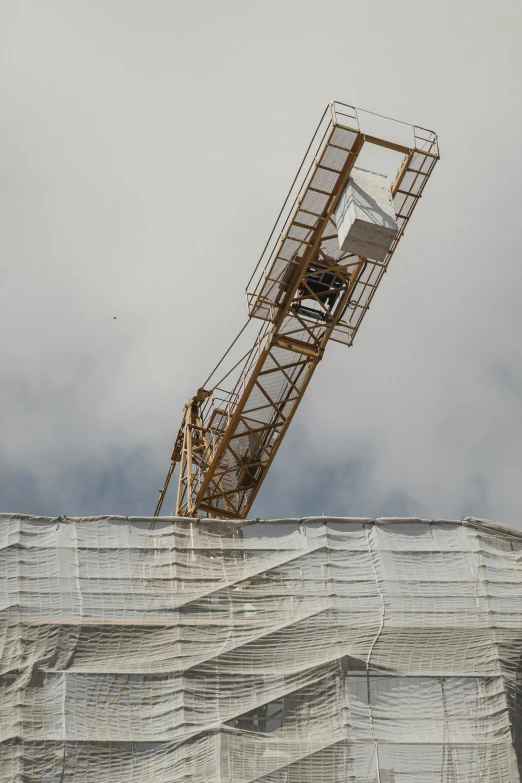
<point>293,651</point>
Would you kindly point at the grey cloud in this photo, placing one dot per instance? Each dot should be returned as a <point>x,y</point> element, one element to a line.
<point>116,483</point>
<point>145,151</point>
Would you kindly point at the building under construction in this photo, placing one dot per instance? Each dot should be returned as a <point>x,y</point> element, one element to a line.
<point>162,650</point>
<point>204,648</point>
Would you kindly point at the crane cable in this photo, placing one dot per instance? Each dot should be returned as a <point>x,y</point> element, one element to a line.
<point>226,354</point>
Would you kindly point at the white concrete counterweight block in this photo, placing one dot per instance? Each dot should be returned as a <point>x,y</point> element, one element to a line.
<point>365,217</point>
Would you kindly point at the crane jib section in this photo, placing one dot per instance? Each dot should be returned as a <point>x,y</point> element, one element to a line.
<point>309,292</point>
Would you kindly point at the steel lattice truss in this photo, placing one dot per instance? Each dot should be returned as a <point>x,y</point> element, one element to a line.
<point>168,650</point>
<point>228,439</point>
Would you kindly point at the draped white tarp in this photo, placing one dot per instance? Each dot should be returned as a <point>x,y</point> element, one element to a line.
<point>280,651</point>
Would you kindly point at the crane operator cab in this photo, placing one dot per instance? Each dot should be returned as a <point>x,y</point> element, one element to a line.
<point>321,289</point>
<point>366,227</point>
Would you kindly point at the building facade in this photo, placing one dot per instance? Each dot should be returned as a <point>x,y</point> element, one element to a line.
<point>151,650</point>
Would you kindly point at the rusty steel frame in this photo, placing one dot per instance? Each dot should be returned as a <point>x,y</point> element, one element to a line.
<point>226,444</point>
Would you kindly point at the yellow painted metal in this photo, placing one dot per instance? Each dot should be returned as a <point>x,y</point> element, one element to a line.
<point>307,293</point>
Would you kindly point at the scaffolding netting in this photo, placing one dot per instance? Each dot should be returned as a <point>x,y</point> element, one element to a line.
<point>318,650</point>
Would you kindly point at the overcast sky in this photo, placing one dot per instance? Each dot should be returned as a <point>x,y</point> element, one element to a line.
<point>146,147</point>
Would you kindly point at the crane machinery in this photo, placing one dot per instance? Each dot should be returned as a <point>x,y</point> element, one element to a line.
<point>324,260</point>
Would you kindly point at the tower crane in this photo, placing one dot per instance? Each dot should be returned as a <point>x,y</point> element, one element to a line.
<point>325,258</point>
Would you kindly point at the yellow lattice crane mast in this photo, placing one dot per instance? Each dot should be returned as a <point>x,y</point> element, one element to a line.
<point>316,278</point>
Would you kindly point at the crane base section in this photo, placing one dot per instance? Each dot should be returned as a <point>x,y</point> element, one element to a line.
<point>315,650</point>
<point>365,217</point>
